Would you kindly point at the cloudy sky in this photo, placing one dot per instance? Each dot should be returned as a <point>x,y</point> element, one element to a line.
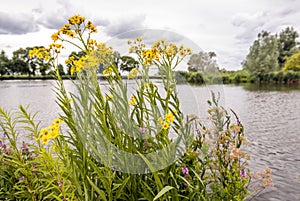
<point>227,27</point>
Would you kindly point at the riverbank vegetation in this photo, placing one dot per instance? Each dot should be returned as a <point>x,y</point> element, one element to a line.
<point>121,144</point>
<point>272,58</point>
<point>237,77</point>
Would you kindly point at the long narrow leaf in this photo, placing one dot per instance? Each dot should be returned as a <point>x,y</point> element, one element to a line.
<point>162,192</point>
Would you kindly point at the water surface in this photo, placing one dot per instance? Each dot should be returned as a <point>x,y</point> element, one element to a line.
<point>270,115</point>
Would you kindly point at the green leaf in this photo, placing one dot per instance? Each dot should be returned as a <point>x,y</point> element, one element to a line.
<point>119,192</point>
<point>99,191</point>
<point>157,180</point>
<point>162,192</point>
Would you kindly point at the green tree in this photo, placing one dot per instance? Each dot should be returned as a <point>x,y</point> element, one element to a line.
<point>202,61</point>
<point>20,62</point>
<point>293,63</point>
<point>286,44</point>
<point>61,69</point>
<point>4,63</point>
<point>263,55</point>
<point>17,66</point>
<point>127,63</point>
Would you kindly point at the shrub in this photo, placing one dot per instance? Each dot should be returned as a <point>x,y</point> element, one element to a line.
<point>292,63</point>
<point>196,78</point>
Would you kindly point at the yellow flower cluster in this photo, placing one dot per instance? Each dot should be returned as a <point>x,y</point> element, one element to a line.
<point>77,65</point>
<point>159,50</point>
<point>51,131</point>
<point>89,25</point>
<point>99,53</point>
<point>76,19</point>
<point>149,56</point>
<point>75,26</point>
<point>169,118</point>
<point>40,53</point>
<point>55,47</point>
<point>170,50</point>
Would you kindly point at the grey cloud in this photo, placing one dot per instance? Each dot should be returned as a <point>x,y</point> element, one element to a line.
<point>126,28</point>
<point>53,21</point>
<point>17,23</point>
<point>101,22</point>
<point>287,12</point>
<point>272,20</point>
<point>250,25</point>
<point>56,18</point>
<point>151,35</point>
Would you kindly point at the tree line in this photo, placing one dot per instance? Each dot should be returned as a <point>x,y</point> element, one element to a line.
<point>22,64</point>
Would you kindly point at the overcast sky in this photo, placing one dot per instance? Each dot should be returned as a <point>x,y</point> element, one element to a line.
<point>227,27</point>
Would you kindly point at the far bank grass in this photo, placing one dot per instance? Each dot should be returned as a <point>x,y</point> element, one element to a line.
<point>51,77</point>
<point>225,77</point>
<point>236,77</point>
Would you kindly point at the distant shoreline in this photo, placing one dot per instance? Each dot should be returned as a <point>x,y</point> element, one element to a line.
<point>197,78</point>
<point>50,77</point>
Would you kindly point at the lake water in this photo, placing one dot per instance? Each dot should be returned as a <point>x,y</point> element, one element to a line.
<point>270,114</point>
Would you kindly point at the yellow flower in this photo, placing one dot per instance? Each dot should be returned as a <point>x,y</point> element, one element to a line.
<point>54,133</point>
<point>57,121</point>
<point>132,100</point>
<point>55,36</point>
<point>165,125</point>
<point>45,139</point>
<point>40,55</point>
<point>69,60</point>
<point>39,137</point>
<point>72,70</point>
<point>138,39</point>
<point>47,58</point>
<point>109,97</point>
<point>108,71</point>
<point>170,117</point>
<point>150,55</point>
<point>44,131</point>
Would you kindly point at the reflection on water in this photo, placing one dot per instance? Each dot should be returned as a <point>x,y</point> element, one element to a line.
<point>270,114</point>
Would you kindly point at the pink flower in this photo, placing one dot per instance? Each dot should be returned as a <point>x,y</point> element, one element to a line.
<point>142,129</point>
<point>243,173</point>
<point>185,170</point>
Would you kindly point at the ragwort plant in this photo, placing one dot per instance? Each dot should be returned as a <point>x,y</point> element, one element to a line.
<point>122,142</point>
